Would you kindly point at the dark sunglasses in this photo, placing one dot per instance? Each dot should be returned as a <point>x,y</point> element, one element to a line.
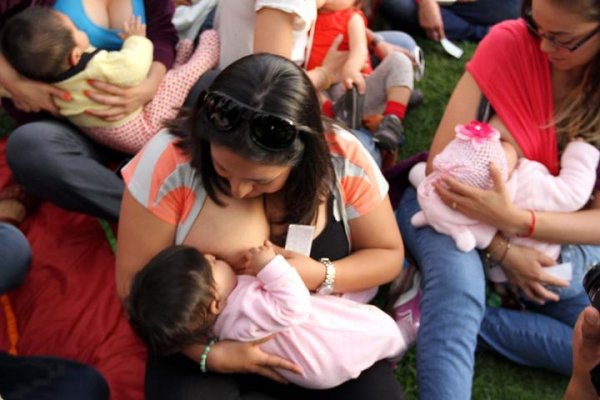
<point>269,131</point>
<point>533,28</point>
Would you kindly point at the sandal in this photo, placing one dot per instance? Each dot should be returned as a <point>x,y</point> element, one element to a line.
<point>16,193</point>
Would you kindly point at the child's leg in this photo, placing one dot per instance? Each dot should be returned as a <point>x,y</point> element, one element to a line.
<point>183,51</point>
<point>391,81</point>
<point>176,84</point>
<point>388,93</point>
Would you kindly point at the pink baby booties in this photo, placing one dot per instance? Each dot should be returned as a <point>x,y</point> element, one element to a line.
<point>467,157</point>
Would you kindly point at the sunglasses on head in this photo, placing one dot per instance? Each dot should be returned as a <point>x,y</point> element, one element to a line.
<point>569,46</point>
<point>269,131</point>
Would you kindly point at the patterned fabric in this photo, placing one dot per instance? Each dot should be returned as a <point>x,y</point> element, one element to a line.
<point>130,136</point>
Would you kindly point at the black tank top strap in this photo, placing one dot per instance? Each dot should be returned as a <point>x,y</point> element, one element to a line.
<point>332,242</point>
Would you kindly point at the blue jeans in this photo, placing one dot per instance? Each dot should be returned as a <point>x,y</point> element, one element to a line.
<point>49,378</point>
<point>462,21</point>
<point>15,256</point>
<point>453,314</point>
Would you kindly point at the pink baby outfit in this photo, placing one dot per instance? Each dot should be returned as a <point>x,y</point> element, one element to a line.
<point>531,186</point>
<point>333,339</point>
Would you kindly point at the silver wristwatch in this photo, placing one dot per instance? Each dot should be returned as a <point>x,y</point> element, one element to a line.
<point>327,285</point>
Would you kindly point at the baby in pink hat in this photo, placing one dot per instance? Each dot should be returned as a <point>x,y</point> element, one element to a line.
<point>531,186</point>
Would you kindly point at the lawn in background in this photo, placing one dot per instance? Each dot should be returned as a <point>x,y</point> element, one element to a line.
<point>495,378</point>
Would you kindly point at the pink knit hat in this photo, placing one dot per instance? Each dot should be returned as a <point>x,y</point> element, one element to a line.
<point>467,157</point>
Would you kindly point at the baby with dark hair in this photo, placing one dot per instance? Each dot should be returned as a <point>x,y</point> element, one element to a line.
<point>44,45</point>
<point>182,297</point>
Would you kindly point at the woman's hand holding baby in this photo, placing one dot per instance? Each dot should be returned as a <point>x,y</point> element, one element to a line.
<point>524,268</point>
<point>492,206</point>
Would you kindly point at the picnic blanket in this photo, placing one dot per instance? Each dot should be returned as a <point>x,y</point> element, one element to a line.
<point>68,306</point>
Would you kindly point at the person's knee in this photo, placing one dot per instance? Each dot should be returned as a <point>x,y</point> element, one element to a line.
<point>27,148</point>
<point>16,257</point>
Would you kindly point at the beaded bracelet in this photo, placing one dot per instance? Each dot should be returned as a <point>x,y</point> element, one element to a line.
<point>506,249</point>
<point>204,355</point>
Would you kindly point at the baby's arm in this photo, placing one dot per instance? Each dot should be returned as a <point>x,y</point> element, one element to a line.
<point>280,301</point>
<point>569,191</point>
<point>358,53</point>
<point>128,66</point>
<point>256,259</point>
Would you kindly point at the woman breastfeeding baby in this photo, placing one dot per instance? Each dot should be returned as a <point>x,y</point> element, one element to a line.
<point>254,146</point>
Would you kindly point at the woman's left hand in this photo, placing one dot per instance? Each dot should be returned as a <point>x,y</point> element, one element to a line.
<point>493,206</point>
<point>121,100</point>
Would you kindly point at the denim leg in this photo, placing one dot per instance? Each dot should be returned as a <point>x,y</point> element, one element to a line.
<point>56,162</point>
<point>15,257</point>
<point>531,338</point>
<point>582,258</point>
<point>452,307</point>
<point>48,378</point>
<point>541,336</point>
<point>486,12</point>
<point>366,138</point>
<point>398,38</point>
<point>458,28</point>
<point>400,14</point>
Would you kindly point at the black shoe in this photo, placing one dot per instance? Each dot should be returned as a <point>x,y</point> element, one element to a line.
<point>349,108</point>
<point>390,132</point>
<point>416,98</point>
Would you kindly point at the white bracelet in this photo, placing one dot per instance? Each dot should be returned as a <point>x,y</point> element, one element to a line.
<point>327,285</point>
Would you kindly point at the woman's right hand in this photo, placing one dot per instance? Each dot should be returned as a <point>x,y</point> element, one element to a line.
<point>524,268</point>
<point>32,96</point>
<point>247,357</point>
<point>430,19</point>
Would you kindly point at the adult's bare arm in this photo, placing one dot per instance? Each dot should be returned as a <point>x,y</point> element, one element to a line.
<point>273,32</point>
<point>430,19</point>
<point>135,247</point>
<point>28,95</point>
<point>376,258</point>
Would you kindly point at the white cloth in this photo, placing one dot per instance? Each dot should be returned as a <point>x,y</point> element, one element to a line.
<point>235,20</point>
<point>189,19</point>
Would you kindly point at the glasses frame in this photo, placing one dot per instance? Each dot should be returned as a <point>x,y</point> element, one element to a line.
<point>252,115</point>
<point>533,28</point>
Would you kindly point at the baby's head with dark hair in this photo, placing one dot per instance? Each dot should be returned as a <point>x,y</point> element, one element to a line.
<point>170,300</point>
<point>38,43</point>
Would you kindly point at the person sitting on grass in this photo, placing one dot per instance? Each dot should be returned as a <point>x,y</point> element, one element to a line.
<point>182,296</point>
<point>387,88</point>
<point>45,45</point>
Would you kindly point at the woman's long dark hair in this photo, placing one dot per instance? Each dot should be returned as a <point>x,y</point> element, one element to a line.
<point>276,85</point>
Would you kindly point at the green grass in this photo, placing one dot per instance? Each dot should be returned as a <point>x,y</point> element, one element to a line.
<point>495,377</point>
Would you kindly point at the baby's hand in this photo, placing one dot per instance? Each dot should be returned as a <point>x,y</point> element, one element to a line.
<point>256,258</point>
<point>351,76</point>
<point>133,27</point>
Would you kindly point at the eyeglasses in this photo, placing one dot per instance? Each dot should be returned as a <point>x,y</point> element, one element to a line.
<point>269,131</point>
<point>533,28</point>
